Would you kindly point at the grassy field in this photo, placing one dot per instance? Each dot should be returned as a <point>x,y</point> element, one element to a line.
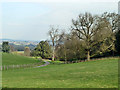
<point>93,74</point>
<point>10,59</point>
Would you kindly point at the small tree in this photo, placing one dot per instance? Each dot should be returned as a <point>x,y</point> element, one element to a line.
<point>43,50</point>
<point>27,51</point>
<point>5,47</point>
<point>11,48</point>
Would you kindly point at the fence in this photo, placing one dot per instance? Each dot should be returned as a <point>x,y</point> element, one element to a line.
<point>37,64</point>
<point>7,67</point>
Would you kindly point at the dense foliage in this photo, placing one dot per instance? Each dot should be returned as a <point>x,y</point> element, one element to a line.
<point>43,50</point>
<point>21,47</point>
<point>70,49</point>
<point>5,47</point>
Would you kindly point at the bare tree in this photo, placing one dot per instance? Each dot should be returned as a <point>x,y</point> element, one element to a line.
<point>54,36</point>
<point>87,27</point>
<point>112,18</point>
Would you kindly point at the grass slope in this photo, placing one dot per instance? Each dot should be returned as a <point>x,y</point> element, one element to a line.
<point>10,59</point>
<point>93,74</point>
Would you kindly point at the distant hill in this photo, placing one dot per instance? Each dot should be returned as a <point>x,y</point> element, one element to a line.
<point>5,39</point>
<point>19,45</point>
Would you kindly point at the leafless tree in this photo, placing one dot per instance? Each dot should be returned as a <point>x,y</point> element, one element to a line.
<point>54,36</point>
<point>112,18</point>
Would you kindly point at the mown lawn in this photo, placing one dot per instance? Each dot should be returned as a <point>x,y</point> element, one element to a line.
<point>93,74</point>
<point>14,59</point>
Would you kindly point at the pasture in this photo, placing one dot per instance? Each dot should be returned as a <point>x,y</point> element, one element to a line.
<point>93,74</point>
<point>15,59</point>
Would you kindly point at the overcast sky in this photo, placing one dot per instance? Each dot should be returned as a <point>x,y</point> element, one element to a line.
<point>31,20</point>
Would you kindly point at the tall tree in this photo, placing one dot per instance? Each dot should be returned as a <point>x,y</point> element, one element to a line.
<point>91,30</point>
<point>112,18</point>
<point>54,36</point>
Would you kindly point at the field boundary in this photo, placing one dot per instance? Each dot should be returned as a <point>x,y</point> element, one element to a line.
<point>36,65</point>
<point>93,59</point>
<point>7,67</point>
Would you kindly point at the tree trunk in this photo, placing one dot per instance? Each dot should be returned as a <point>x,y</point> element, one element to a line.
<point>113,53</point>
<point>53,56</point>
<point>65,57</point>
<point>88,55</point>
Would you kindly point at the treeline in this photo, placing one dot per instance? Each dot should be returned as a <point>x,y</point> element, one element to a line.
<point>12,47</point>
<point>21,47</point>
<point>90,36</point>
<point>7,48</point>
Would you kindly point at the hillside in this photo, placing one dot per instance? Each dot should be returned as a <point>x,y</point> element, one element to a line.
<point>14,59</point>
<point>93,74</point>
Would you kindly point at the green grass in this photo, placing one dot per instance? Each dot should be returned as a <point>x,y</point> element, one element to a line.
<point>14,59</point>
<point>17,52</point>
<point>56,62</point>
<point>93,74</point>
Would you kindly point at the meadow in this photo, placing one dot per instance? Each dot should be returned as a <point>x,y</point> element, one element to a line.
<point>15,59</point>
<point>92,74</point>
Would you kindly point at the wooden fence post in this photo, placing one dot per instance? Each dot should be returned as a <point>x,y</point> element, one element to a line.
<point>1,68</point>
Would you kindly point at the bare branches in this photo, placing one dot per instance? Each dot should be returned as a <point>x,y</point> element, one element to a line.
<point>53,33</point>
<point>94,29</point>
<point>112,18</point>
